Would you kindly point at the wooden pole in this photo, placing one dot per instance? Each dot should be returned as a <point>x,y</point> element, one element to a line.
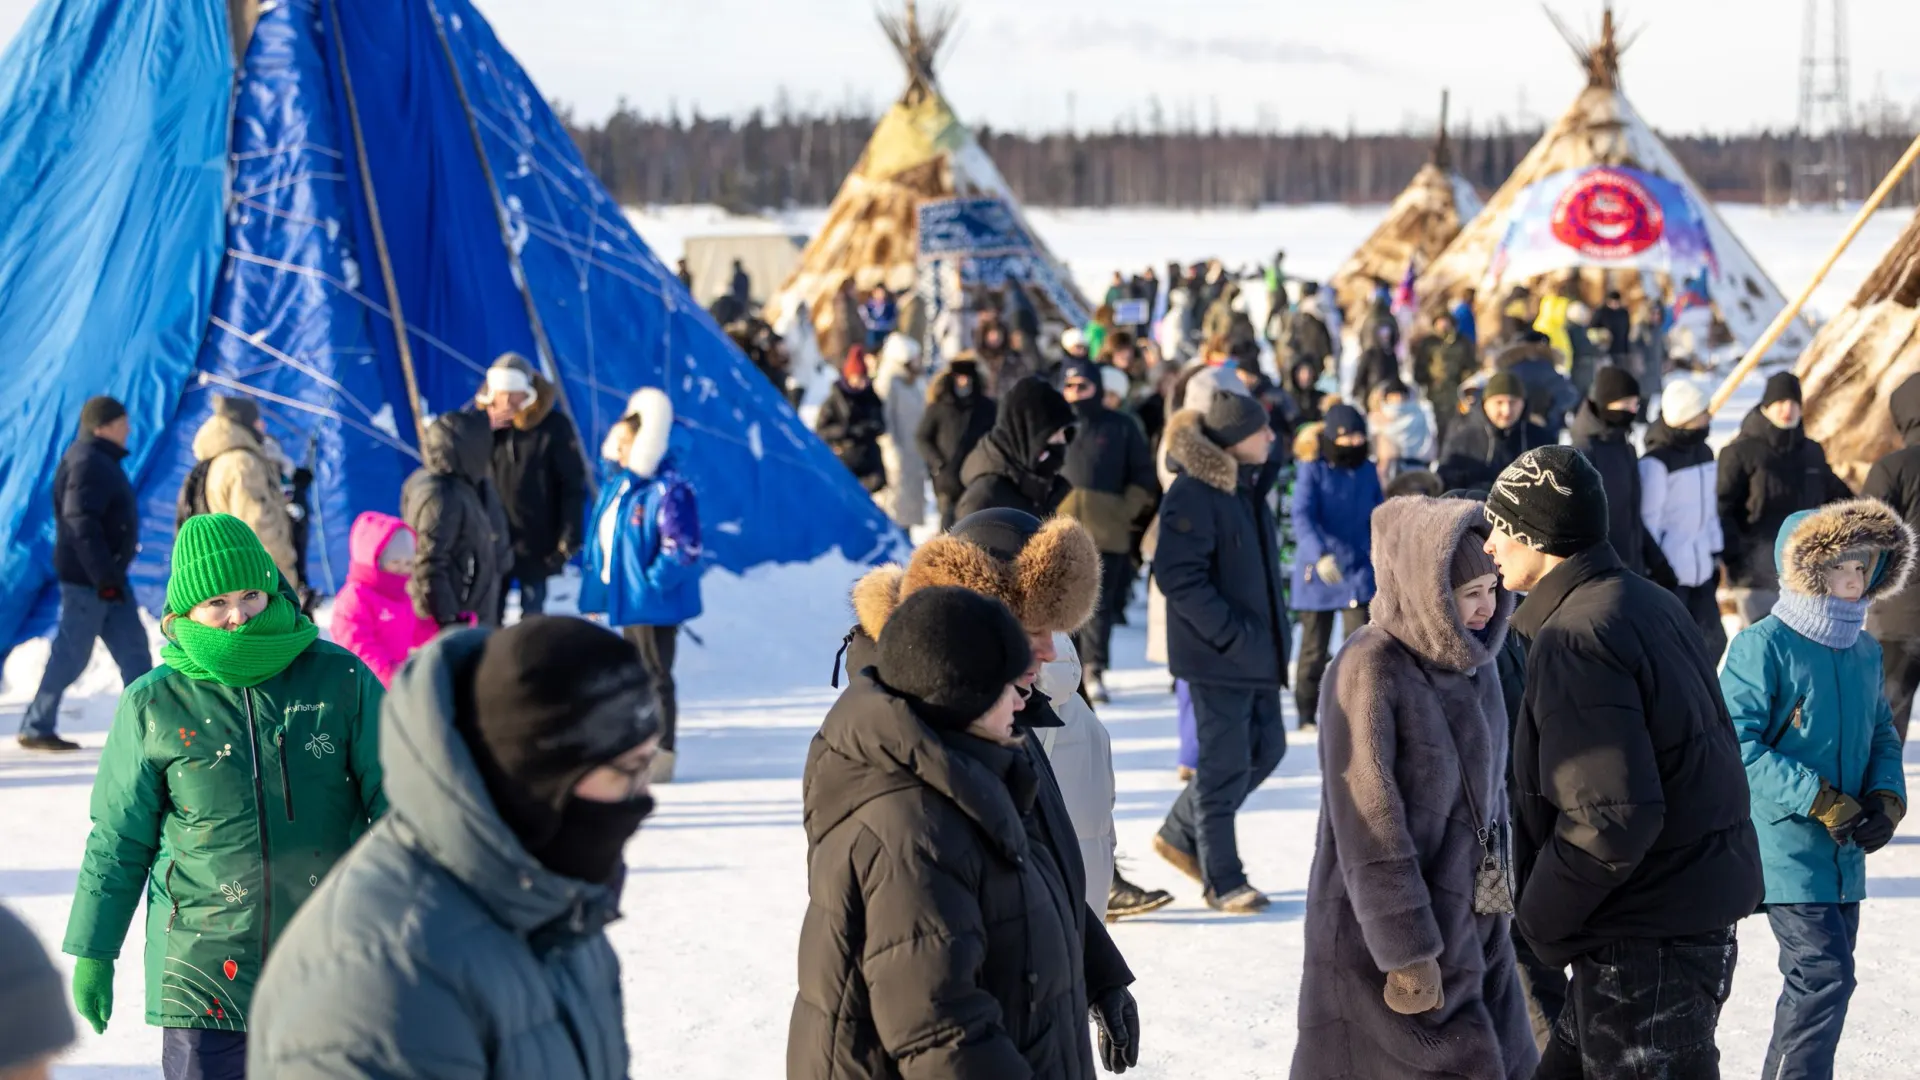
<point>1780,321</point>
<point>379,237</point>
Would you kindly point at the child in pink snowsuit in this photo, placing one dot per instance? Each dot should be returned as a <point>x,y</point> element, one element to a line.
<point>373,616</point>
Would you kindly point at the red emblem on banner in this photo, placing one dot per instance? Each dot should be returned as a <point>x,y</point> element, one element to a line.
<point>1607,214</point>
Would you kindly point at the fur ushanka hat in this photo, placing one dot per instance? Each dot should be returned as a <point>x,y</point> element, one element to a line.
<point>1047,573</point>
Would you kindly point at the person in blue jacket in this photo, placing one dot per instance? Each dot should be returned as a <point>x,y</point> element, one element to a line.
<point>643,551</point>
<point>1333,501</point>
<point>1816,733</point>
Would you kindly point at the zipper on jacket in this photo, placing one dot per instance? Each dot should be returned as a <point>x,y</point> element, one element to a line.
<point>172,900</point>
<point>286,781</point>
<point>1839,770</point>
<point>260,814</point>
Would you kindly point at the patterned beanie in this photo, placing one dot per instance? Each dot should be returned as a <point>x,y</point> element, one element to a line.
<point>1552,500</point>
<point>214,554</point>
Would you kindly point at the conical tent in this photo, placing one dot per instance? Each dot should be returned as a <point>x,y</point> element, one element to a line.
<point>919,151</point>
<point>1419,225</point>
<point>1860,357</point>
<point>347,225</point>
<point>1602,129</point>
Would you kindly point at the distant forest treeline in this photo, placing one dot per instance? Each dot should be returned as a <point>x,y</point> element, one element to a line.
<point>799,160</point>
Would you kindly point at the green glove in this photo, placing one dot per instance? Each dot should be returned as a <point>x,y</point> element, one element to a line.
<point>93,992</point>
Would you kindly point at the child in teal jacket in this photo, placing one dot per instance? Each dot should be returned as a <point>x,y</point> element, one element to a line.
<point>1823,760</point>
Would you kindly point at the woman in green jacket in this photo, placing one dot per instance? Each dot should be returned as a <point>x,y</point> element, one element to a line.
<point>234,776</point>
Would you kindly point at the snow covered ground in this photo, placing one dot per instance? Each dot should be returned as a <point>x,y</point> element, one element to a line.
<point>718,886</point>
<point>1788,243</point>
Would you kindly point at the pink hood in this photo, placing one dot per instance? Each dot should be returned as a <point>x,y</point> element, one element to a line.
<point>371,531</point>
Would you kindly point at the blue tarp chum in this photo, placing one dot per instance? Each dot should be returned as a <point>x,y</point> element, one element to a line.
<point>180,227</point>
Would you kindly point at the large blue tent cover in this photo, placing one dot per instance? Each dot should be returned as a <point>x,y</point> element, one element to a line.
<point>183,228</point>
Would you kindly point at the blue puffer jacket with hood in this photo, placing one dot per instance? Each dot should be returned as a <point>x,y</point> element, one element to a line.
<point>1809,713</point>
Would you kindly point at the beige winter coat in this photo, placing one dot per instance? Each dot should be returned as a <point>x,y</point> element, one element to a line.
<point>244,482</point>
<point>1081,753</point>
<point>904,397</point>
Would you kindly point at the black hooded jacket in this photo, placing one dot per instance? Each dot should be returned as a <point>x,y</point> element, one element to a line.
<point>952,426</point>
<point>851,423</point>
<point>540,474</point>
<point>450,503</point>
<point>1611,451</point>
<point>1476,452</point>
<point>96,523</point>
<point>1631,810</point>
<point>1005,470</point>
<point>1767,475</point>
<point>1895,480</point>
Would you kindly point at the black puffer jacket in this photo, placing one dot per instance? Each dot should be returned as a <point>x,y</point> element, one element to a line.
<point>952,427</point>
<point>1218,564</point>
<point>1767,475</point>
<point>541,477</point>
<point>939,939</point>
<point>1895,480</point>
<point>96,530</point>
<point>1005,470</point>
<point>1612,453</point>
<point>1476,452</point>
<point>851,423</point>
<point>450,503</point>
<point>1550,395</point>
<point>1632,817</point>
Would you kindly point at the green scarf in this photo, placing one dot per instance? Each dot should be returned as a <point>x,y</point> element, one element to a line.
<point>248,656</point>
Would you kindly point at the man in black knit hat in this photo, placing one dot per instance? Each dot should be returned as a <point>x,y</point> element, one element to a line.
<point>1635,848</point>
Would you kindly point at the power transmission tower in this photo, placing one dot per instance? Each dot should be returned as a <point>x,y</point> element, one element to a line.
<point>1820,142</point>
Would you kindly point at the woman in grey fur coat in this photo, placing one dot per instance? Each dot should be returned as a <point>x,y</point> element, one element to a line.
<point>1402,978</point>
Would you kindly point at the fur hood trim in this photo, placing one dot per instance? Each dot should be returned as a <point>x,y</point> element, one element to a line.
<point>1189,447</point>
<point>1812,540</point>
<point>1052,586</point>
<point>1414,539</point>
<point>545,399</point>
<point>655,410</point>
<point>1306,441</point>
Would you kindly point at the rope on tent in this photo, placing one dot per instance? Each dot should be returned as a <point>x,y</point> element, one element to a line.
<point>379,234</point>
<point>208,378</point>
<point>548,362</point>
<point>1780,321</point>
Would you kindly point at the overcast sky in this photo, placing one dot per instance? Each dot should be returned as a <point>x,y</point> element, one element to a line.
<point>1722,65</point>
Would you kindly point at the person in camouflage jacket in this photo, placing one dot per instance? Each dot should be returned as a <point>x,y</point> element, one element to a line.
<point>234,776</point>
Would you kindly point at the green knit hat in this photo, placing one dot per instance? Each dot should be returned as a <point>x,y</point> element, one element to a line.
<point>214,554</point>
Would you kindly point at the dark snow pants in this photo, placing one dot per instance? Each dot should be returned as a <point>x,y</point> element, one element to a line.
<point>657,645</point>
<point>1093,641</point>
<point>84,617</point>
<point>1816,959</point>
<point>1703,603</point>
<point>1242,740</point>
<point>1644,1009</point>
<point>193,1054</point>
<point>1900,662</point>
<point>1316,652</point>
<point>533,592</point>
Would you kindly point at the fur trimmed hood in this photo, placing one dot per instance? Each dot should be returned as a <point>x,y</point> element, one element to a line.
<point>1414,539</point>
<point>1812,540</point>
<point>1052,585</point>
<point>1189,449</point>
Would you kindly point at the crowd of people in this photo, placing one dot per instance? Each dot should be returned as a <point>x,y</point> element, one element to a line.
<point>1545,802</point>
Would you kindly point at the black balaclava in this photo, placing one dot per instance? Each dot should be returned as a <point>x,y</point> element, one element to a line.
<point>551,699</point>
<point>1611,384</point>
<point>1343,420</point>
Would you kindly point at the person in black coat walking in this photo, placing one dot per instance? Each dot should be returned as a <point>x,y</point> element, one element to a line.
<point>96,524</point>
<point>1602,430</point>
<point>540,475</point>
<point>1895,622</point>
<point>1489,438</point>
<point>1635,845</point>
<point>1218,563</point>
<point>459,525</point>
<point>1017,466</point>
<point>942,937</point>
<point>959,414</point>
<point>851,421</point>
<point>1768,473</point>
<point>1378,365</point>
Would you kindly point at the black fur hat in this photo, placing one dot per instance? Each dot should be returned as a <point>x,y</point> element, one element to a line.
<point>951,653</point>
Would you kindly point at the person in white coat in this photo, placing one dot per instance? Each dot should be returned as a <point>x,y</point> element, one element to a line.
<point>1678,483</point>
<point>903,388</point>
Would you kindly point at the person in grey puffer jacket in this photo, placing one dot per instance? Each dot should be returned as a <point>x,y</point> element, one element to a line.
<point>464,935</point>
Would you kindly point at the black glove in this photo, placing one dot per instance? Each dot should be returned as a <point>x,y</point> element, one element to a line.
<point>1118,1019</point>
<point>1873,831</point>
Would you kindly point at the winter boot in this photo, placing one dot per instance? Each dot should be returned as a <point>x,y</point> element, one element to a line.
<point>1096,687</point>
<point>1126,899</point>
<point>52,743</point>
<point>662,771</point>
<point>1179,860</point>
<point>1245,900</point>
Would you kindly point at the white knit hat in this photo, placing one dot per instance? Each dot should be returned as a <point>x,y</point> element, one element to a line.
<point>505,379</point>
<point>1072,338</point>
<point>1114,381</point>
<point>1681,402</point>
